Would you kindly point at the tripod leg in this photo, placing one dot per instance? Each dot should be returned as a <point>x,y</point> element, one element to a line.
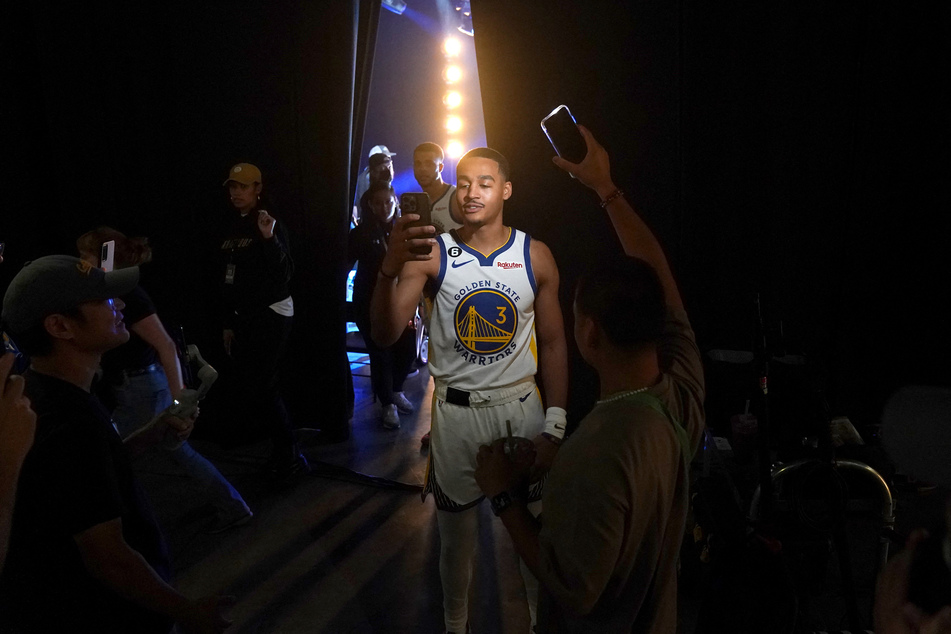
<point>841,542</point>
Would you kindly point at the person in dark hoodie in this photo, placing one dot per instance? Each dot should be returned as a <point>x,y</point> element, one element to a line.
<point>256,269</point>
<point>389,365</point>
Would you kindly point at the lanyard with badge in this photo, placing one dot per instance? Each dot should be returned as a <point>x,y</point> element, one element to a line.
<point>230,268</point>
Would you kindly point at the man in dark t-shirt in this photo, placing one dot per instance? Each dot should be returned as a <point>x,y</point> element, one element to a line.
<point>85,553</point>
<point>77,476</point>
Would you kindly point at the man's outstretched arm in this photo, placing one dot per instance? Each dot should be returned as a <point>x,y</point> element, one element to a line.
<point>110,560</point>
<point>635,236</point>
<point>400,279</point>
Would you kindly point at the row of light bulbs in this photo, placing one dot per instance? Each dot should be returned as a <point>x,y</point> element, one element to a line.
<point>453,98</point>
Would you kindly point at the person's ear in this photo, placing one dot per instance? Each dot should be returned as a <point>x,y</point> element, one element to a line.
<point>507,190</point>
<point>440,166</point>
<point>58,326</point>
<point>257,189</point>
<point>588,333</point>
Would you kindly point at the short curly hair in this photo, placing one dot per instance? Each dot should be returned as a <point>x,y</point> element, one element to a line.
<point>625,298</point>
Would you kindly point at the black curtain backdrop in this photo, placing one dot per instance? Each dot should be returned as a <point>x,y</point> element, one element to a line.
<point>368,27</point>
<point>131,115</point>
<point>798,151</point>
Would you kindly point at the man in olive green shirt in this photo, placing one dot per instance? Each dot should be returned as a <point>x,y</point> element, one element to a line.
<point>605,551</point>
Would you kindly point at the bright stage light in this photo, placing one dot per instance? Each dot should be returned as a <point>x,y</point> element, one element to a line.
<point>454,149</point>
<point>452,99</point>
<point>452,46</point>
<point>453,74</point>
<point>453,124</point>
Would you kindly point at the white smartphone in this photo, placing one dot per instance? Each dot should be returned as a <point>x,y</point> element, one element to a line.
<point>108,256</point>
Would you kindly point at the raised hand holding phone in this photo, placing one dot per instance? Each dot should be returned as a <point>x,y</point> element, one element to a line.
<point>408,241</point>
<point>562,131</point>
<point>595,170</point>
<point>418,203</point>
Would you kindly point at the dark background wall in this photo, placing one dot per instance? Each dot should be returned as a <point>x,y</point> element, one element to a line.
<point>131,115</point>
<point>795,150</point>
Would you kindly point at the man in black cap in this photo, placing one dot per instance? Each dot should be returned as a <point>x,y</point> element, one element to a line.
<point>85,552</point>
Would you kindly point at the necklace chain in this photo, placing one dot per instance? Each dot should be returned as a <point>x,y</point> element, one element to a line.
<point>621,395</point>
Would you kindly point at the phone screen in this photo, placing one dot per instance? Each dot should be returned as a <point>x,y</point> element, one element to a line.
<point>418,203</point>
<point>562,132</point>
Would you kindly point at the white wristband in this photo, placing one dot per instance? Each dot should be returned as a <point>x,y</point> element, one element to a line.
<point>555,421</point>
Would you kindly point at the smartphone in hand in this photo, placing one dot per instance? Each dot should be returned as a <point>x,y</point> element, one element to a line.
<point>418,203</point>
<point>563,134</point>
<point>108,255</point>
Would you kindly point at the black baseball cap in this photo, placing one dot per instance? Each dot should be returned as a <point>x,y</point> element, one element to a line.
<point>58,283</point>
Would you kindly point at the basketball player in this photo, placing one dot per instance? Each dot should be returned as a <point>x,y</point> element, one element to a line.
<point>427,169</point>
<point>496,322</point>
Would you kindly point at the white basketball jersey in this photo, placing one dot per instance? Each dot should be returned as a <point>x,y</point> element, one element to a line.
<point>442,217</point>
<point>482,329</point>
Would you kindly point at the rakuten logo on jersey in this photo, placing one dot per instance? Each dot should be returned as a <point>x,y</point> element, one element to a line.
<point>509,265</point>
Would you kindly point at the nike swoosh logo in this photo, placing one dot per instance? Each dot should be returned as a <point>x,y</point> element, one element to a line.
<point>525,397</point>
<point>456,265</point>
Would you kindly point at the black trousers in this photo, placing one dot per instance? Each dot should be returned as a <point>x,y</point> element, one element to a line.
<point>260,341</point>
<point>388,366</point>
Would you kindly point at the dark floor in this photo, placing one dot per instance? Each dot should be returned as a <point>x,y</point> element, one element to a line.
<point>353,549</point>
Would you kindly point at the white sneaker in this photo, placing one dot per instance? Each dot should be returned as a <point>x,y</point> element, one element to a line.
<point>391,417</point>
<point>402,403</point>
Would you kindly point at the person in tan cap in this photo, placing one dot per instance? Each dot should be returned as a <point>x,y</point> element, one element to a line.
<point>255,269</point>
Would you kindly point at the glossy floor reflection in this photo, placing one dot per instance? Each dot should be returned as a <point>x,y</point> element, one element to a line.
<point>350,549</point>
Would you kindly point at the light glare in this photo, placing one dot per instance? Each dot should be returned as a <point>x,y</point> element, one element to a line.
<point>453,124</point>
<point>452,46</point>
<point>454,149</point>
<point>452,99</point>
<point>453,74</point>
